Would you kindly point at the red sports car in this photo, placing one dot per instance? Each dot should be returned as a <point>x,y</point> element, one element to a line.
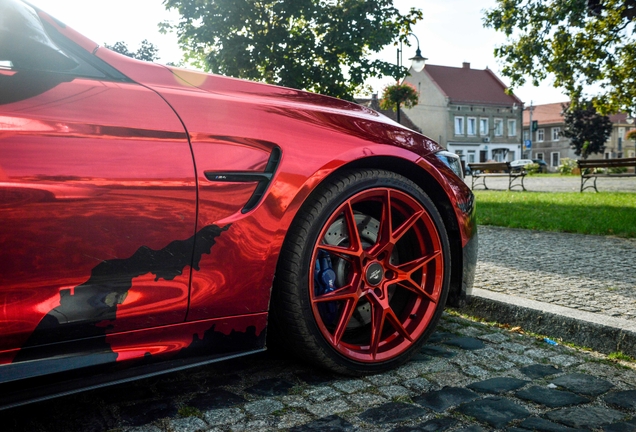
<point>155,218</point>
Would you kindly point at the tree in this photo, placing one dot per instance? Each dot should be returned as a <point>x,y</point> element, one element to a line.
<point>587,129</point>
<point>398,94</point>
<point>318,45</point>
<point>147,51</point>
<point>579,42</point>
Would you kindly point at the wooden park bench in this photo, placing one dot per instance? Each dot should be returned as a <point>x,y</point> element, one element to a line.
<point>594,168</point>
<point>484,170</point>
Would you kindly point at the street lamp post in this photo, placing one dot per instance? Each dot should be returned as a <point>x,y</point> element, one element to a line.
<point>417,62</point>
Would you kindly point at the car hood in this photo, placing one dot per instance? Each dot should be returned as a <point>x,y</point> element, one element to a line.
<point>340,115</point>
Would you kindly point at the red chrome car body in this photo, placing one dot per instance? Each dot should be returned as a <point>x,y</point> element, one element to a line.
<point>142,214</point>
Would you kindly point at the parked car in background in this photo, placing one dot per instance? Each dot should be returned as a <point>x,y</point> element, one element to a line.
<point>520,163</point>
<point>154,218</point>
<point>543,166</point>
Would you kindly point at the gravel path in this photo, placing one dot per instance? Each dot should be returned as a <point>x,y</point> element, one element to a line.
<point>590,273</point>
<point>538,183</point>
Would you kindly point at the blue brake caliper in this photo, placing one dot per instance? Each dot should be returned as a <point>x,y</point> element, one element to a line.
<point>325,281</point>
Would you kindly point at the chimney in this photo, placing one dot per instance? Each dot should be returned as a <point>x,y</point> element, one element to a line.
<point>466,65</point>
<point>375,103</point>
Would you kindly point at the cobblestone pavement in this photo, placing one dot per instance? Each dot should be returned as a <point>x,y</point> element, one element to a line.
<point>590,273</point>
<point>470,377</point>
<point>539,183</point>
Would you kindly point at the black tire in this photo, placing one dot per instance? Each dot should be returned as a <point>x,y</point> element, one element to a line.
<point>294,322</point>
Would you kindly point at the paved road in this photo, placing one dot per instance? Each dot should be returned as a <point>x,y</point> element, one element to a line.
<point>539,183</point>
<point>470,377</point>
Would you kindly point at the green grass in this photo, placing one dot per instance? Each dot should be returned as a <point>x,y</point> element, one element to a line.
<point>620,356</point>
<point>558,175</point>
<point>605,213</point>
<point>187,411</point>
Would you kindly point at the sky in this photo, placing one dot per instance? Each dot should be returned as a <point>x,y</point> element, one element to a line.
<point>450,33</point>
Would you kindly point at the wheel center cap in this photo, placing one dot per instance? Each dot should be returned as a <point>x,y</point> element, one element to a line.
<point>375,274</point>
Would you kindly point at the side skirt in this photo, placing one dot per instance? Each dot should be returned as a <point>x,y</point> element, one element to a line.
<point>65,388</point>
<point>139,354</point>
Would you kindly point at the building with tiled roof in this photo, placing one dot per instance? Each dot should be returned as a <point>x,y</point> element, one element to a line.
<point>468,111</point>
<point>548,143</point>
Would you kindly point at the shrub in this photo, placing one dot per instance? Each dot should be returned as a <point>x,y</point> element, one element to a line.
<point>617,170</point>
<point>567,165</point>
<point>533,168</point>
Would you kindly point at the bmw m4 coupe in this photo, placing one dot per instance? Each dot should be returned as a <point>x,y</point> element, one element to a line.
<point>155,218</point>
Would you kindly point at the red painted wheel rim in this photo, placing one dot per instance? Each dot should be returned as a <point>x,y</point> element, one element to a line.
<point>402,304</point>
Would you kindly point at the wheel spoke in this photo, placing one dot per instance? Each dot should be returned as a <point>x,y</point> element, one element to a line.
<point>405,275</point>
<point>397,325</point>
<point>344,293</point>
<point>410,285</point>
<point>341,252</point>
<point>377,324</point>
<point>412,266</point>
<point>386,223</point>
<point>345,317</point>
<point>406,225</point>
<point>354,236</point>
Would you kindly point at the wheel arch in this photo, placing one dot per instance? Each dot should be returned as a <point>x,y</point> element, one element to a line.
<point>434,190</point>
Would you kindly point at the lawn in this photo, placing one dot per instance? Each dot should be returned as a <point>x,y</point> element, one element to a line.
<point>605,213</point>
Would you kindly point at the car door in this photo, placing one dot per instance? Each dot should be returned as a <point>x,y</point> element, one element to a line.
<point>97,208</point>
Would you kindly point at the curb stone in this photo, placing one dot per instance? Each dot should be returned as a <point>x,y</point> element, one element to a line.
<point>601,333</point>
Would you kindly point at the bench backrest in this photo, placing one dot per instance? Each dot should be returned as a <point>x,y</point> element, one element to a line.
<point>489,166</point>
<point>606,163</point>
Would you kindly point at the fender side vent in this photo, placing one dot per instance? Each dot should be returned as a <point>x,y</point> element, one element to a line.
<point>263,178</point>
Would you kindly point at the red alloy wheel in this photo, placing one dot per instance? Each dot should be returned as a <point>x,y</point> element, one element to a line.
<point>386,254</point>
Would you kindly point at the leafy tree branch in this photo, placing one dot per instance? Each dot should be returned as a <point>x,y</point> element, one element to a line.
<point>579,42</point>
<point>318,45</point>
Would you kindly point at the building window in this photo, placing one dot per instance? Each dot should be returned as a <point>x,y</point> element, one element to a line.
<point>555,133</point>
<point>459,125</point>
<point>471,156</point>
<point>540,135</point>
<point>483,126</point>
<point>471,123</point>
<point>512,128</point>
<point>498,127</point>
<point>631,153</point>
<point>526,135</point>
<point>539,156</point>
<point>554,159</point>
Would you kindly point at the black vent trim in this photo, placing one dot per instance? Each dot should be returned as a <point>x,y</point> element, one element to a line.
<point>263,178</point>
